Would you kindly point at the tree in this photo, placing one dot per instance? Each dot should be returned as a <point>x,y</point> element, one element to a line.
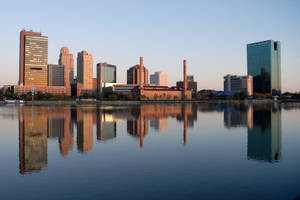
<point>113,96</point>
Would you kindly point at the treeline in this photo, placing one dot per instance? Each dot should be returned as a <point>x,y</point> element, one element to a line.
<point>10,95</point>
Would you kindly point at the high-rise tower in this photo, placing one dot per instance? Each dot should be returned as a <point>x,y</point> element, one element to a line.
<point>33,58</point>
<point>66,59</point>
<point>85,70</point>
<point>264,64</point>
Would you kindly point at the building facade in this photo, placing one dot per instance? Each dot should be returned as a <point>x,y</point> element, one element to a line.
<point>191,84</point>
<point>159,78</point>
<point>106,73</point>
<point>233,83</point>
<point>56,75</point>
<point>264,64</point>
<point>33,58</point>
<point>133,75</point>
<point>85,70</point>
<point>66,59</point>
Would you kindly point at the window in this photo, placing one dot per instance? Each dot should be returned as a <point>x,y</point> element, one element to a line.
<point>275,46</point>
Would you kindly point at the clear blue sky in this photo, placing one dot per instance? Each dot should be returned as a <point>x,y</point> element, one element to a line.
<point>211,35</point>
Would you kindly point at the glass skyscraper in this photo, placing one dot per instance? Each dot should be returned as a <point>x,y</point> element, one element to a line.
<point>263,60</point>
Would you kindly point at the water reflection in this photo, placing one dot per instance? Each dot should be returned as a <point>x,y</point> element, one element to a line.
<point>37,123</point>
<point>263,122</point>
<point>264,138</point>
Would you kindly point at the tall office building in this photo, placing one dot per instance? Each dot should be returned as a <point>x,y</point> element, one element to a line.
<point>238,84</point>
<point>56,75</point>
<point>133,75</point>
<point>66,59</point>
<point>159,78</point>
<point>264,64</point>
<point>85,70</point>
<point>33,58</point>
<point>106,73</point>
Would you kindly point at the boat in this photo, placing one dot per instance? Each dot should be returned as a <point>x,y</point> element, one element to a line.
<point>14,102</point>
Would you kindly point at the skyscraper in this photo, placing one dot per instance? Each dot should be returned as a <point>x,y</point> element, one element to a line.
<point>85,70</point>
<point>66,59</point>
<point>264,64</point>
<point>133,75</point>
<point>159,78</point>
<point>33,58</point>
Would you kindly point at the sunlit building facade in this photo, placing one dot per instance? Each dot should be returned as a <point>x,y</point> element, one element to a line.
<point>85,70</point>
<point>233,83</point>
<point>133,75</point>
<point>33,59</point>
<point>66,59</point>
<point>159,78</point>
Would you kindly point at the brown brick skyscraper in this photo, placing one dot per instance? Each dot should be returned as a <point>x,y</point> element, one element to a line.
<point>66,59</point>
<point>33,58</point>
<point>85,70</point>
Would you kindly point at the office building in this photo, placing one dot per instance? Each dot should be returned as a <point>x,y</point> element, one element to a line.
<point>233,83</point>
<point>133,75</point>
<point>106,73</point>
<point>33,59</point>
<point>191,84</point>
<point>85,70</point>
<point>56,75</point>
<point>264,64</point>
<point>66,59</point>
<point>159,78</point>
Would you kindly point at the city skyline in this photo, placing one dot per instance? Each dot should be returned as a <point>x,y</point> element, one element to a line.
<point>164,40</point>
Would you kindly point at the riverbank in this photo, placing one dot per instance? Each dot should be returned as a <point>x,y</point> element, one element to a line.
<point>126,102</point>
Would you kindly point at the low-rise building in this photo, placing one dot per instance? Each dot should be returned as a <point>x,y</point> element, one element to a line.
<point>191,84</point>
<point>234,83</point>
<point>19,89</point>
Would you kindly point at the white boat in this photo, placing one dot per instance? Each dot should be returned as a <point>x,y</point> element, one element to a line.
<point>14,102</point>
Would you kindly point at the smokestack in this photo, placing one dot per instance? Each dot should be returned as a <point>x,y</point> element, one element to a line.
<point>141,73</point>
<point>184,77</point>
<point>101,76</point>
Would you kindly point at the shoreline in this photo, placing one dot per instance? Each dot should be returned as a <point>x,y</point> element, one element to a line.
<point>133,102</point>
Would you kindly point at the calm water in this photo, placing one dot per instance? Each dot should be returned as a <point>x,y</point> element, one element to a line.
<point>170,151</point>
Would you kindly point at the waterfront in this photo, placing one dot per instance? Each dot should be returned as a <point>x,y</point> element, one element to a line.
<point>155,151</point>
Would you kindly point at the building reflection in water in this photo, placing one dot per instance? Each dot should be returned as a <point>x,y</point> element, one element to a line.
<point>85,129</point>
<point>106,125</point>
<point>263,122</point>
<point>138,126</point>
<point>37,123</point>
<point>264,138</point>
<point>32,139</point>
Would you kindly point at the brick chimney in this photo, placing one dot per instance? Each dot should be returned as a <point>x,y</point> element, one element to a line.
<point>184,78</point>
<point>141,73</point>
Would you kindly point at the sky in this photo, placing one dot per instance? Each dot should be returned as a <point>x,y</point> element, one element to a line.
<point>211,35</point>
